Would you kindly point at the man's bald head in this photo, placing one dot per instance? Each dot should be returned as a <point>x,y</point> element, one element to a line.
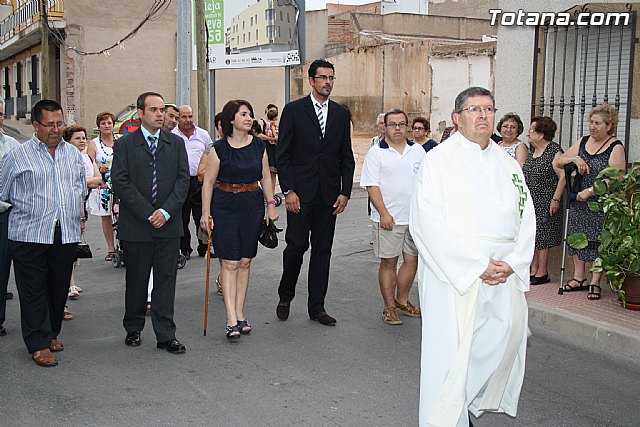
<point>185,119</point>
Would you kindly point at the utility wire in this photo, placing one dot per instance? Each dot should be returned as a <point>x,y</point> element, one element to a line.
<point>158,8</point>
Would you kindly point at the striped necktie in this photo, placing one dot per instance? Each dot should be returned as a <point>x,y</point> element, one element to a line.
<point>320,117</point>
<point>154,179</point>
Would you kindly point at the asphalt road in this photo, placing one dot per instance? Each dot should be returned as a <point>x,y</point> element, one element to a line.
<point>360,372</point>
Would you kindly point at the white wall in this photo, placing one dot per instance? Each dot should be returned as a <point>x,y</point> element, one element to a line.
<point>452,75</point>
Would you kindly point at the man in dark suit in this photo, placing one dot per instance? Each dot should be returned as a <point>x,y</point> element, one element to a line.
<point>315,165</point>
<point>150,175</point>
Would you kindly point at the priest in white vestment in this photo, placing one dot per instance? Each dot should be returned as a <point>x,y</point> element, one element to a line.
<point>473,222</point>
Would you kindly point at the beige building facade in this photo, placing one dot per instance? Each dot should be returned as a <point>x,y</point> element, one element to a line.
<point>269,24</point>
<point>85,85</point>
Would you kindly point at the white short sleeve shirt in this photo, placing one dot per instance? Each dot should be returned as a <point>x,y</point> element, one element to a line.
<point>395,174</point>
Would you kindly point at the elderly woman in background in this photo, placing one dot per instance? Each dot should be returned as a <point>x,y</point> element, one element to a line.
<point>100,150</point>
<point>591,154</point>
<point>77,136</point>
<point>510,127</point>
<point>546,184</point>
<point>421,129</point>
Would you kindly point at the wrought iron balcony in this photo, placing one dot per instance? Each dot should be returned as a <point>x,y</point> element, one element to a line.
<point>27,17</point>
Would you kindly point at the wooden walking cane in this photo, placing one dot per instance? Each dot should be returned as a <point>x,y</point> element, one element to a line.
<point>206,297</point>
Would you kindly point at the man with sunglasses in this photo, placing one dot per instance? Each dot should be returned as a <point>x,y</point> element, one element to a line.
<point>315,166</point>
<point>44,181</point>
<point>473,222</point>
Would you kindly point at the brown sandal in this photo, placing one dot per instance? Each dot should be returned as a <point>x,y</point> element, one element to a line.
<point>56,345</point>
<point>44,358</point>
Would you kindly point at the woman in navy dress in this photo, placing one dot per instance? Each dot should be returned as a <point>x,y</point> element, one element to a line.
<point>237,162</point>
<point>591,154</point>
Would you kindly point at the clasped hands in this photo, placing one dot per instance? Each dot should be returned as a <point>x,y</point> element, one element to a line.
<point>157,219</point>
<point>497,272</point>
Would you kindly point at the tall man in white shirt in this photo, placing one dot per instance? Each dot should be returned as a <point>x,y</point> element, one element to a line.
<point>7,144</point>
<point>473,222</point>
<point>196,140</point>
<point>388,174</point>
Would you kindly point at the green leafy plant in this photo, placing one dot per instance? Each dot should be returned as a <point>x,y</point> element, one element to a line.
<point>619,243</point>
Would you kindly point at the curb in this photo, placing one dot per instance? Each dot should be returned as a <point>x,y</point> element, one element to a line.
<point>583,331</point>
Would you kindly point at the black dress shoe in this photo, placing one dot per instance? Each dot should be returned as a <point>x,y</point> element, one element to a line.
<point>282,310</point>
<point>133,339</point>
<point>540,280</point>
<point>3,331</point>
<point>172,346</point>
<point>324,318</point>
<point>9,295</point>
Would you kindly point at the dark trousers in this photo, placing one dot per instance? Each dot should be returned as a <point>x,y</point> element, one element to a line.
<point>5,263</point>
<point>315,218</point>
<point>162,255</point>
<point>42,277</point>
<point>192,208</point>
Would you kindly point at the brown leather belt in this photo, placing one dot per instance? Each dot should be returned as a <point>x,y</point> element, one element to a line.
<point>238,188</point>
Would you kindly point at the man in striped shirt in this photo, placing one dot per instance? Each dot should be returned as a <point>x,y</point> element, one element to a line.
<point>44,181</point>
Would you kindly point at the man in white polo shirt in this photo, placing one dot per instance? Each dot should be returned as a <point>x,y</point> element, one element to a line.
<point>388,174</point>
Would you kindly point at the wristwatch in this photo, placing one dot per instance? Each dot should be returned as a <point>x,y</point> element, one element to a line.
<point>287,192</point>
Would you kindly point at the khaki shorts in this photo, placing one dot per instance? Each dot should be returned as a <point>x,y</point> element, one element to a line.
<point>390,244</point>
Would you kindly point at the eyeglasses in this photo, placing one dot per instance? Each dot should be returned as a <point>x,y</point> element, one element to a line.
<point>474,110</point>
<point>59,125</point>
<point>508,127</point>
<point>418,128</point>
<point>397,125</point>
<point>325,78</point>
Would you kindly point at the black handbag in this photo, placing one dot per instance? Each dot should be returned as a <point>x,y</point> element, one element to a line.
<point>83,250</point>
<point>269,234</point>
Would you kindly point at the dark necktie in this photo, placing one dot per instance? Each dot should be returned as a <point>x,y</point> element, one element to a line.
<point>154,179</point>
<point>320,117</point>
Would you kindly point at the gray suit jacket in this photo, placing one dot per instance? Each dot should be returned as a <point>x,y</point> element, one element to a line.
<point>131,176</point>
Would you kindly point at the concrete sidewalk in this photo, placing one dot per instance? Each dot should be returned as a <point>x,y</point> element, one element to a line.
<point>601,325</point>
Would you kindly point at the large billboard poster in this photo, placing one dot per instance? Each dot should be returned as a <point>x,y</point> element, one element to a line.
<point>252,33</point>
